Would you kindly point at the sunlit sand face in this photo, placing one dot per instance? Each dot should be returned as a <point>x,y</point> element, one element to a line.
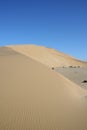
<point>35,97</point>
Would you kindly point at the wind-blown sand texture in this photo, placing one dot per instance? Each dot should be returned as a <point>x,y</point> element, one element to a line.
<point>34,97</point>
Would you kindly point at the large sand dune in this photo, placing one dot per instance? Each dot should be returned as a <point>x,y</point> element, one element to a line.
<point>34,97</point>
<point>48,56</point>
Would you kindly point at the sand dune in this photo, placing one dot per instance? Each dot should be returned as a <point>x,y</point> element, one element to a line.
<point>34,97</point>
<point>49,57</point>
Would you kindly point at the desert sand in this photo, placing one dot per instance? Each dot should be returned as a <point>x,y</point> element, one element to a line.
<point>77,75</point>
<point>48,56</point>
<point>35,97</point>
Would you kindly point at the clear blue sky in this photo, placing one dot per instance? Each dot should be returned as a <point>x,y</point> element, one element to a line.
<point>60,24</point>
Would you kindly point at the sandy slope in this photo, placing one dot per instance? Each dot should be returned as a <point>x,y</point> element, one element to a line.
<point>77,75</point>
<point>49,57</point>
<point>33,97</point>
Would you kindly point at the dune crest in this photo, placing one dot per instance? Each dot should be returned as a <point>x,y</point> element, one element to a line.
<point>49,57</point>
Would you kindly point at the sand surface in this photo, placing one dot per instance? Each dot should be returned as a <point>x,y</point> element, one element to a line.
<point>77,75</point>
<point>35,97</point>
<point>48,56</point>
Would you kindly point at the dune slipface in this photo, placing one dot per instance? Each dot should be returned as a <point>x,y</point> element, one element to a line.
<point>34,97</point>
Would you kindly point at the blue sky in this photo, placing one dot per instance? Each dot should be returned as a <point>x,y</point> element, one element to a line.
<point>60,24</point>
